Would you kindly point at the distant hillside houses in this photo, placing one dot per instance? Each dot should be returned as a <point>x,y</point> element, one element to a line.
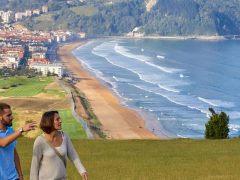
<point>10,16</point>
<point>61,36</point>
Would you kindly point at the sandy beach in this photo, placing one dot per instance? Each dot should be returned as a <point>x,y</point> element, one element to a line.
<point>118,122</point>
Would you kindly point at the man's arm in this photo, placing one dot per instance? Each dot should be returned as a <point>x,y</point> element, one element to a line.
<point>9,139</point>
<point>17,164</point>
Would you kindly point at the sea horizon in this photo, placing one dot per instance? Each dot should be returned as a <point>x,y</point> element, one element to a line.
<point>170,83</point>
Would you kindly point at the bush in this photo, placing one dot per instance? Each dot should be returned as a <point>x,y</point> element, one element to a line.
<point>217,126</point>
<point>14,85</point>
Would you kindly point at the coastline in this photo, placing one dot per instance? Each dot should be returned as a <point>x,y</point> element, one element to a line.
<point>198,38</point>
<point>203,38</point>
<point>118,121</point>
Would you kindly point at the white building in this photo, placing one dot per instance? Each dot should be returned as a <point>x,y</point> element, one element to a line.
<point>55,68</point>
<point>9,62</point>
<point>40,55</point>
<point>32,48</point>
<point>28,13</point>
<point>19,15</point>
<point>36,11</point>
<point>44,9</point>
<point>7,16</point>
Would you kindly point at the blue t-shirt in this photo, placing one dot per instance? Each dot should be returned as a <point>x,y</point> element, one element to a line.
<point>7,165</point>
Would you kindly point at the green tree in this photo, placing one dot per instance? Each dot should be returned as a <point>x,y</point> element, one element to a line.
<point>217,126</point>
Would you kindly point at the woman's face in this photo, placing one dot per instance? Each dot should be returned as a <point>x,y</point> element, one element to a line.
<point>57,122</point>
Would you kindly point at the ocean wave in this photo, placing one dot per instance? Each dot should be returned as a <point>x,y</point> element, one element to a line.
<point>217,103</point>
<point>125,52</point>
<point>120,79</point>
<point>181,136</point>
<point>160,57</point>
<point>168,87</point>
<point>183,100</point>
<point>194,126</point>
<point>234,127</point>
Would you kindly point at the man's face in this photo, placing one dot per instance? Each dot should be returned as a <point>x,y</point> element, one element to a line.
<point>6,118</point>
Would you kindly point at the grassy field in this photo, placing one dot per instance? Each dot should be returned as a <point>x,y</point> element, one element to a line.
<point>23,86</point>
<point>85,10</point>
<point>30,97</point>
<point>45,17</point>
<point>71,126</point>
<point>151,159</point>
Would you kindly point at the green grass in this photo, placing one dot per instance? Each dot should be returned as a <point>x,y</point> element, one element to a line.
<point>45,17</point>
<point>25,86</point>
<point>71,126</point>
<point>55,92</point>
<point>85,10</point>
<point>151,159</point>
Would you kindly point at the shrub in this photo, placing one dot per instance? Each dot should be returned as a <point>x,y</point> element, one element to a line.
<point>217,126</point>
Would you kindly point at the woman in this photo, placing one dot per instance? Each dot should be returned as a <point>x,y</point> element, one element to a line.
<point>51,149</point>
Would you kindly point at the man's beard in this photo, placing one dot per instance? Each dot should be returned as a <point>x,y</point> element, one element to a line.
<point>7,124</point>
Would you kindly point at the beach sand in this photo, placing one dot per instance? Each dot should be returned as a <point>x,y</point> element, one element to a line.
<point>118,121</point>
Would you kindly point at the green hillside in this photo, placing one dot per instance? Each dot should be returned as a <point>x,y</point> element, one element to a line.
<point>118,17</point>
<point>150,159</point>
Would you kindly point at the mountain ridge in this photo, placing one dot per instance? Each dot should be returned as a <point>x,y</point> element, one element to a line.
<point>154,17</point>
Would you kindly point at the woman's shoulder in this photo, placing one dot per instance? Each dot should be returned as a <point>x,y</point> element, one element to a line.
<point>65,136</point>
<point>39,139</point>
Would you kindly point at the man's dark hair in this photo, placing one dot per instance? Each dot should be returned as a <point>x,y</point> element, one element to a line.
<point>4,106</point>
<point>47,120</point>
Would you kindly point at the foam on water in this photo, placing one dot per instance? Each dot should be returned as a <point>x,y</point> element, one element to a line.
<point>165,84</point>
<point>217,103</point>
<point>123,51</point>
<point>190,102</point>
<point>160,57</point>
<point>234,127</point>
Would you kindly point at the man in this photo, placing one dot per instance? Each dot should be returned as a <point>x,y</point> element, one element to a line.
<point>10,168</point>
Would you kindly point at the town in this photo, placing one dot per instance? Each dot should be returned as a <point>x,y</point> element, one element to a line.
<point>30,50</point>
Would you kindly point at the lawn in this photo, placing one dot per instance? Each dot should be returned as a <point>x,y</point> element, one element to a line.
<point>71,126</point>
<point>23,86</point>
<point>151,159</point>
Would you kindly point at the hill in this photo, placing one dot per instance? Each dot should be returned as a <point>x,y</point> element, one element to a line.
<point>118,17</point>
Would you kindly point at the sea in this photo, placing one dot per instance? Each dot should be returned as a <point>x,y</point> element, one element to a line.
<point>172,83</point>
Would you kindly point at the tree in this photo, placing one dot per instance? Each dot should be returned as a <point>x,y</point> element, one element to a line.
<point>217,126</point>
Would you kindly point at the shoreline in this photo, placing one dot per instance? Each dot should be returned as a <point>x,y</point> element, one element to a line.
<point>118,121</point>
<point>203,38</point>
<point>157,37</point>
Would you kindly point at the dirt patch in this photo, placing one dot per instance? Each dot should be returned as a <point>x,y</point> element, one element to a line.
<point>54,85</point>
<point>37,104</point>
<point>48,96</point>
